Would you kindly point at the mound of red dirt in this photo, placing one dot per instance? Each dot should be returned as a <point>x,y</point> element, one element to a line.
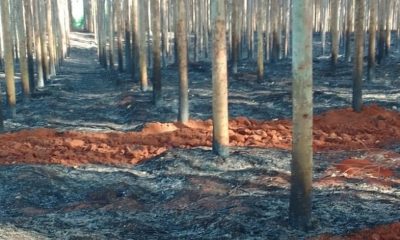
<point>385,232</point>
<point>336,129</point>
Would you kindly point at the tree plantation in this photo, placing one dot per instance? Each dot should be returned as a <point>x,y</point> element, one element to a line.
<point>200,119</point>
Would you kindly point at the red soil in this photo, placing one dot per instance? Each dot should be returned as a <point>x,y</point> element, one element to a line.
<point>385,232</point>
<point>340,129</point>
<point>337,129</point>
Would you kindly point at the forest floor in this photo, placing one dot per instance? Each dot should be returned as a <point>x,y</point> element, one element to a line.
<point>90,157</point>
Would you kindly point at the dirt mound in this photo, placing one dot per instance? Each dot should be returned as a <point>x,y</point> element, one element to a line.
<point>336,129</point>
<point>385,232</point>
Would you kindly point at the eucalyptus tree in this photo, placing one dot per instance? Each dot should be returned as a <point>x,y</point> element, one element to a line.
<point>235,35</point>
<point>156,28</point>
<point>50,37</point>
<point>348,31</point>
<point>136,60</point>
<point>127,28</point>
<point>41,8</point>
<point>142,46</point>
<point>302,152</point>
<point>219,79</point>
<point>335,11</point>
<point>373,6</point>
<point>260,40</point>
<point>359,56</point>
<point>22,43</point>
<point>181,35</point>
<point>119,23</point>
<point>38,50</point>
<point>8,57</point>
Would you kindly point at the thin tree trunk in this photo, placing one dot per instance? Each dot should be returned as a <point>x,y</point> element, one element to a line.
<point>235,35</point>
<point>8,59</point>
<point>359,56</point>
<point>119,20</point>
<point>29,42</point>
<point>43,39</point>
<point>302,153</point>
<point>50,34</point>
<point>181,35</point>
<point>142,46</point>
<point>156,29</point>
<point>136,38</point>
<point>335,32</point>
<point>128,46</point>
<point>260,41</point>
<point>220,80</point>
<point>22,47</point>
<point>349,23</point>
<point>372,39</point>
<point>39,53</point>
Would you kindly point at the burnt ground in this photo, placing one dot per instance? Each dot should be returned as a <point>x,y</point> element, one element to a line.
<point>187,193</point>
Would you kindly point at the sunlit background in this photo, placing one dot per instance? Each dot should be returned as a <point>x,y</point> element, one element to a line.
<point>77,14</point>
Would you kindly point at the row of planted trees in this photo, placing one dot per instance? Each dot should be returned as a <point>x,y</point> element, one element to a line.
<point>152,34</point>
<point>144,35</point>
<point>34,35</point>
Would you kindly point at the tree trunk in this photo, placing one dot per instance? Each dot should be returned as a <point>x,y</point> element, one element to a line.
<point>29,42</point>
<point>335,32</point>
<point>8,58</point>
<point>22,47</point>
<point>128,46</point>
<point>235,35</point>
<point>302,153</point>
<point>156,29</point>
<point>260,41</point>
<point>38,52</point>
<point>119,20</point>
<point>50,34</point>
<point>142,46</point>
<point>219,80</point>
<point>136,37</point>
<point>359,56</point>
<point>372,40</point>
<point>349,23</point>
<point>181,35</point>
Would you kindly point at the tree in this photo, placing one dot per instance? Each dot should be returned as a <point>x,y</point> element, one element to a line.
<point>235,35</point>
<point>156,28</point>
<point>260,41</point>
<point>22,47</point>
<point>29,42</point>
<point>335,4</point>
<point>302,153</point>
<point>219,80</point>
<point>51,44</point>
<point>349,23</point>
<point>359,56</point>
<point>372,40</point>
<point>182,62</point>
<point>142,46</point>
<point>38,49</point>
<point>8,55</point>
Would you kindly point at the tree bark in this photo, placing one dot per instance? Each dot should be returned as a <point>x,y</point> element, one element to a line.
<point>181,35</point>
<point>359,56</point>
<point>335,32</point>
<point>8,58</point>
<point>260,41</point>
<point>372,40</point>
<point>142,46</point>
<point>156,29</point>
<point>219,80</point>
<point>22,47</point>
<point>302,153</point>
